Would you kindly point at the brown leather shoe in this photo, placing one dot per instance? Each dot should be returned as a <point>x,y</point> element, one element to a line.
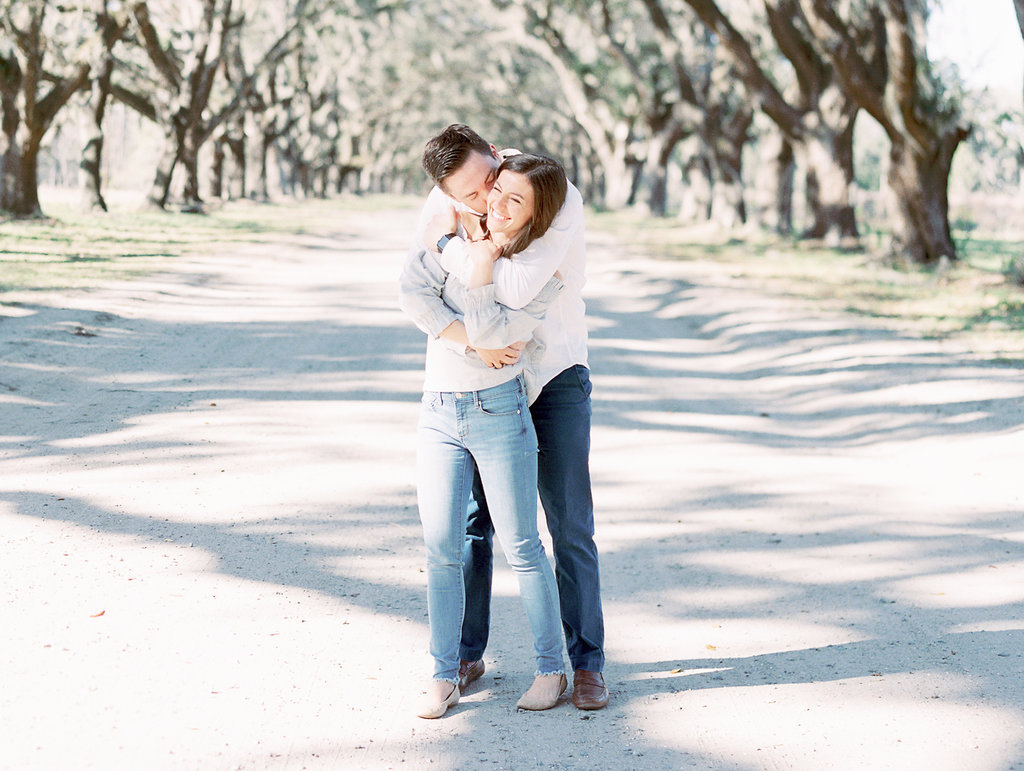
<point>589,690</point>
<point>469,671</point>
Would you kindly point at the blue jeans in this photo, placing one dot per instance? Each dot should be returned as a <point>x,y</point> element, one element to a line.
<point>561,416</point>
<point>491,430</point>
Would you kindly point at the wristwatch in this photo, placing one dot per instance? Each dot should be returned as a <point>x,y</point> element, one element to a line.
<point>442,242</point>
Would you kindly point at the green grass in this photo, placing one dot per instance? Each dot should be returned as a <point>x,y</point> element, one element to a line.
<point>971,301</point>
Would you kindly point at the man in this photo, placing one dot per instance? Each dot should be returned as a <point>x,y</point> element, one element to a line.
<point>464,167</point>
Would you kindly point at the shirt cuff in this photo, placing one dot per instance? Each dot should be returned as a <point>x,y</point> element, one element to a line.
<point>437,320</point>
<point>481,297</point>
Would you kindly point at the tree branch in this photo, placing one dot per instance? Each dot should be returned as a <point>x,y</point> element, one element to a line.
<point>671,45</point>
<point>142,105</point>
<point>862,79</point>
<point>768,95</point>
<point>162,60</point>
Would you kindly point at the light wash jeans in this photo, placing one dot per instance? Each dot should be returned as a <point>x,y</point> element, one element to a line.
<point>493,428</point>
<point>561,417</point>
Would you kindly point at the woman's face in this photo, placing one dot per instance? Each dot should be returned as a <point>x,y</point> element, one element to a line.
<point>509,204</point>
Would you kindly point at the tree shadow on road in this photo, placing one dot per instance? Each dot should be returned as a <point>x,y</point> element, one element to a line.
<point>790,372</point>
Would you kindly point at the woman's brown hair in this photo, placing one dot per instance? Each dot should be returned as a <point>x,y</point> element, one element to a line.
<point>547,178</point>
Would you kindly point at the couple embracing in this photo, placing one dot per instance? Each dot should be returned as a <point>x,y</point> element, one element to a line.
<point>495,280</point>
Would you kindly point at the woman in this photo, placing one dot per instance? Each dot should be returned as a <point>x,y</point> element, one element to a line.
<point>473,413</point>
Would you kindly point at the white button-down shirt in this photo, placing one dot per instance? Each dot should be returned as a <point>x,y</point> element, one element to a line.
<point>561,335</point>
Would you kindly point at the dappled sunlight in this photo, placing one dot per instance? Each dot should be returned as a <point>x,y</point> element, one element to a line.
<point>172,630</point>
<point>753,368</point>
<point>995,585</point>
<point>866,723</point>
<point>21,401</point>
<point>868,560</point>
<point>822,511</point>
<point>702,640</point>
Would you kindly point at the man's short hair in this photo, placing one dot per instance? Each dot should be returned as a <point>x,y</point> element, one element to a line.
<point>444,154</point>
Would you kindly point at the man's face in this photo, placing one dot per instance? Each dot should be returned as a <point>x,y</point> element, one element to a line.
<point>473,180</point>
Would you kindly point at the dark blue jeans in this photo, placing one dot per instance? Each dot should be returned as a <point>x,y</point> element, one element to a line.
<point>561,416</point>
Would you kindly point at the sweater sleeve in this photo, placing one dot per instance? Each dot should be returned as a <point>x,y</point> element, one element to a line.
<point>490,324</point>
<point>419,294</point>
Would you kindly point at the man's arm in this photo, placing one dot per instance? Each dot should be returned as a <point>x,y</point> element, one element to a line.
<point>518,280</point>
<point>419,297</point>
<point>491,324</point>
<point>457,334</point>
<point>419,293</point>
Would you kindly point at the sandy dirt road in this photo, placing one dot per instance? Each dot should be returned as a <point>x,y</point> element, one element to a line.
<point>811,529</point>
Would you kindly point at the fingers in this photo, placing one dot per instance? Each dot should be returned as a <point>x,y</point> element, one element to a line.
<point>501,357</point>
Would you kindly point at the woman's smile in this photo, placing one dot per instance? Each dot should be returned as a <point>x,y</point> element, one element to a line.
<point>509,204</point>
<point>492,212</point>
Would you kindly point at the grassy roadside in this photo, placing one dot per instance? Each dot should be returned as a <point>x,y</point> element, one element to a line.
<point>71,249</point>
<point>971,301</point>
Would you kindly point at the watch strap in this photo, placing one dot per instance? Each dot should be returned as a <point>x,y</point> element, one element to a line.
<point>442,242</point>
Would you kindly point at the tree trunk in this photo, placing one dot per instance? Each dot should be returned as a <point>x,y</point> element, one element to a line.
<point>785,174</point>
<point>92,153</point>
<point>618,181</point>
<point>10,120</point>
<point>817,112</point>
<point>697,192</point>
<point>919,187</point>
<point>188,85</point>
<point>261,188</point>
<point>887,73</point>
<point>727,129</point>
<point>25,116</point>
<point>160,190</point>
<point>19,184</point>
<point>112,29</point>
<point>303,176</point>
<point>659,152</point>
<point>285,171</point>
<point>322,181</point>
<point>217,168</point>
<point>657,180</point>
<point>192,203</point>
<point>20,194</point>
<point>728,207</point>
<point>236,176</point>
<point>827,157</point>
<point>347,171</point>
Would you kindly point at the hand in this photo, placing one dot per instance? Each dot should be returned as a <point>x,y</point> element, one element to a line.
<point>440,225</point>
<point>482,255</point>
<point>485,251</point>
<point>498,358</point>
